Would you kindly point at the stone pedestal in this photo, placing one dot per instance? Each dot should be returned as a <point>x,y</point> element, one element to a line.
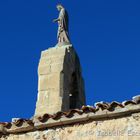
<point>60,85</point>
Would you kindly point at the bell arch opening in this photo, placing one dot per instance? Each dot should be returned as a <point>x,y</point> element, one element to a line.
<point>73,96</point>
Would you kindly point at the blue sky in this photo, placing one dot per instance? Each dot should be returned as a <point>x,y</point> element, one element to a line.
<point>105,33</point>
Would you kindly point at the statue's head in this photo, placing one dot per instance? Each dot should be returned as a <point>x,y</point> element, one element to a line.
<point>59,7</point>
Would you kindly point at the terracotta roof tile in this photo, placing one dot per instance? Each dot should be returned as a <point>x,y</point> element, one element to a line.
<point>87,109</point>
<point>6,124</point>
<point>72,112</point>
<point>44,118</point>
<point>130,102</point>
<point>136,99</point>
<point>115,105</point>
<point>102,105</point>
<point>58,115</point>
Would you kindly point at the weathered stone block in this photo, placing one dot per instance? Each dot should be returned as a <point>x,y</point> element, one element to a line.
<point>43,70</point>
<point>50,81</point>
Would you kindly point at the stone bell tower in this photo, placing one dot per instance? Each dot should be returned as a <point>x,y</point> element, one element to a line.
<point>61,86</point>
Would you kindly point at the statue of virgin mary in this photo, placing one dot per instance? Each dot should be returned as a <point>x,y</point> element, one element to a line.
<point>63,21</point>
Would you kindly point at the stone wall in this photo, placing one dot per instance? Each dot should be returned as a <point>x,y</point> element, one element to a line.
<point>122,128</point>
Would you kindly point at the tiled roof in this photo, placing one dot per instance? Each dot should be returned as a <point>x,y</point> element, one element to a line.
<point>99,111</point>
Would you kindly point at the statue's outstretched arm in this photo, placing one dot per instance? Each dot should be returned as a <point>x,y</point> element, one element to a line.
<point>56,20</point>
